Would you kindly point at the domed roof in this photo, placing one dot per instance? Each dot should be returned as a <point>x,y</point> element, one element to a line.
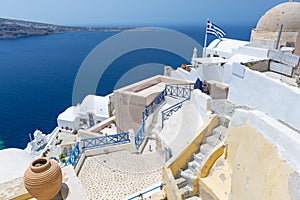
<point>287,14</point>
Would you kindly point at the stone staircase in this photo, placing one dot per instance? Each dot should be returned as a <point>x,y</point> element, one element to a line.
<point>187,175</point>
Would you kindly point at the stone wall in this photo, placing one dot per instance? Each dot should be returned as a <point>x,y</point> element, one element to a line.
<point>297,47</point>
<point>260,65</point>
<point>286,37</point>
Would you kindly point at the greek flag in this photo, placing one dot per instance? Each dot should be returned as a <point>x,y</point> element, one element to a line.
<point>214,30</point>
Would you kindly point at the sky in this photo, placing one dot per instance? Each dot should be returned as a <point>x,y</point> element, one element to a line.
<point>136,12</point>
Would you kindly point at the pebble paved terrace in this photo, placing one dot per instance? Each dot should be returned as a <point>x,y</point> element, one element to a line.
<point>118,175</point>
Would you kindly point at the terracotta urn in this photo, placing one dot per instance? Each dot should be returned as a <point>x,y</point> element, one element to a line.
<point>43,179</point>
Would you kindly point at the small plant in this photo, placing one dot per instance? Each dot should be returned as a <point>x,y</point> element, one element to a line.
<point>249,65</point>
<point>61,156</point>
<point>298,83</point>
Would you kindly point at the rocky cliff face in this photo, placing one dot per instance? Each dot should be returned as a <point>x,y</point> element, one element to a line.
<point>16,28</point>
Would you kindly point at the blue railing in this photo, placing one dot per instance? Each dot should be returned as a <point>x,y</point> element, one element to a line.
<point>74,156</point>
<point>150,190</point>
<point>148,110</point>
<point>152,106</point>
<point>167,113</point>
<point>182,91</point>
<point>139,135</point>
<point>101,141</point>
<point>179,90</point>
<point>105,140</point>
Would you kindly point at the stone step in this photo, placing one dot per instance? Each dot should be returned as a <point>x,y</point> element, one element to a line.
<point>181,182</point>
<point>205,148</point>
<point>188,175</point>
<point>186,192</point>
<point>194,166</point>
<point>212,140</point>
<point>220,132</point>
<point>199,157</point>
<point>194,198</point>
<point>224,120</point>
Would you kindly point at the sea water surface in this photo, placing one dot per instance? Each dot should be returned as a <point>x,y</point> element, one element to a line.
<point>37,76</point>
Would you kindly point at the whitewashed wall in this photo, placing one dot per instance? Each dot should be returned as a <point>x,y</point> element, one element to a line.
<point>204,73</point>
<point>65,123</point>
<point>278,99</point>
<point>251,51</point>
<point>181,128</point>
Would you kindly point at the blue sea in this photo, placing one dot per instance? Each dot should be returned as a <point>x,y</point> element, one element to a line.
<point>37,75</point>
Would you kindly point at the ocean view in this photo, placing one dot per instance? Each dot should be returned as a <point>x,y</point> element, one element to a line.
<point>37,76</point>
<point>149,100</point>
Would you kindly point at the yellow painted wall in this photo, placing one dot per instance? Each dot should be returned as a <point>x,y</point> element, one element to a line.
<point>257,171</point>
<point>171,188</point>
<point>211,161</point>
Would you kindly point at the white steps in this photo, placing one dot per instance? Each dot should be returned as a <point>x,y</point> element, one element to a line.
<point>220,132</point>
<point>186,192</point>
<point>199,157</point>
<point>205,148</point>
<point>181,182</point>
<point>187,176</point>
<point>194,166</point>
<point>212,140</point>
<point>194,198</point>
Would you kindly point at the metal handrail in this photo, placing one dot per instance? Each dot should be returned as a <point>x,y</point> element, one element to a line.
<point>150,190</point>
<point>181,92</point>
<point>139,135</point>
<point>74,156</point>
<point>148,110</point>
<point>171,90</point>
<point>167,113</point>
<point>105,140</point>
<point>101,141</point>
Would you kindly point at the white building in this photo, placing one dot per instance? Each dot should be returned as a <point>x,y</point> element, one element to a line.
<point>241,67</point>
<point>92,110</point>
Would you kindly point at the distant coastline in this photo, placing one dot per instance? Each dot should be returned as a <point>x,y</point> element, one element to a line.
<point>10,28</point>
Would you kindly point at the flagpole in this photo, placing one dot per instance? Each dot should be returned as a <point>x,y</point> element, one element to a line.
<point>205,40</point>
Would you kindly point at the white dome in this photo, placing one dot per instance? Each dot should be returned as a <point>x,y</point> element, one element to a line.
<point>287,14</point>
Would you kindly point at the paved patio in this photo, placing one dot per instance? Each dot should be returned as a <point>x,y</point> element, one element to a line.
<point>120,174</point>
